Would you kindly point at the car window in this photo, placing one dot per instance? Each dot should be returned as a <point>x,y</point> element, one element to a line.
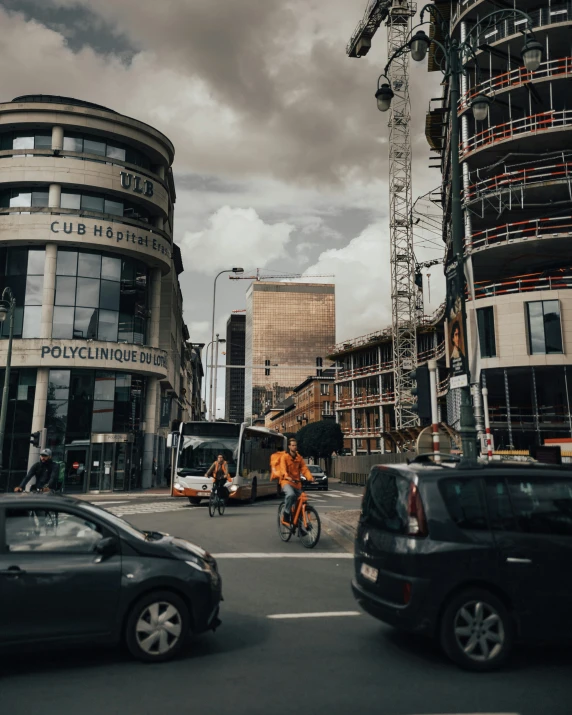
<point>50,530</point>
<point>315,469</point>
<point>465,502</point>
<point>385,502</point>
<point>501,515</point>
<point>542,506</point>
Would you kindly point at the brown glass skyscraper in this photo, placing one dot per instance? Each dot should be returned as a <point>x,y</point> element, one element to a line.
<point>290,327</point>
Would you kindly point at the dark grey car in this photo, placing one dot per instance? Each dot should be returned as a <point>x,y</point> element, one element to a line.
<point>71,572</point>
<point>477,556</point>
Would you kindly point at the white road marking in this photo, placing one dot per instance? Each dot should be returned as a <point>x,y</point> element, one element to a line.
<point>286,555</point>
<point>110,502</point>
<point>154,508</point>
<point>331,494</point>
<point>324,614</point>
<point>348,494</point>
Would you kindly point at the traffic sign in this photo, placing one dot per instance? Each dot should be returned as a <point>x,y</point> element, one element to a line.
<point>75,465</point>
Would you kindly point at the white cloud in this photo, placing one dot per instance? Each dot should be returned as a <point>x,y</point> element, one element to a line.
<point>234,237</point>
<point>362,279</point>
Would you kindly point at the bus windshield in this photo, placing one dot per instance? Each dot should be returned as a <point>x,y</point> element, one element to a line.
<point>202,442</point>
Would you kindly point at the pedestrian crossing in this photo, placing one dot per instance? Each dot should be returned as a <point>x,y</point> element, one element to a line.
<point>331,494</point>
<point>149,508</point>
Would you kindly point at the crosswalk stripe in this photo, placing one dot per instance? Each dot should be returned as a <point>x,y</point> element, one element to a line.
<point>155,508</point>
<point>348,494</point>
<point>332,495</point>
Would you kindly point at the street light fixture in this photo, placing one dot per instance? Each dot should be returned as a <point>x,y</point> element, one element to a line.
<point>229,270</point>
<point>7,310</point>
<point>455,55</point>
<point>218,341</point>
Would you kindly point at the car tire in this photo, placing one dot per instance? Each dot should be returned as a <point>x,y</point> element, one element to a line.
<point>163,617</point>
<point>465,638</point>
<point>195,501</point>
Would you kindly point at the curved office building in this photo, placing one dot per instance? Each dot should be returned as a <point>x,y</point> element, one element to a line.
<point>86,245</point>
<point>517,169</point>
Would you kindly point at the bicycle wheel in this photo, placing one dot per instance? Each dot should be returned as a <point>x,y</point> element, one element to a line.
<point>311,536</point>
<point>284,532</point>
<point>212,504</point>
<point>221,505</point>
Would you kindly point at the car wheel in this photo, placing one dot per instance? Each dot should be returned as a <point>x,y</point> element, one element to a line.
<point>477,631</point>
<point>157,627</point>
<point>195,501</point>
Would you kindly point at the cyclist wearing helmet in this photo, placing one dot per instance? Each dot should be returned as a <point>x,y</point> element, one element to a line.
<point>45,473</point>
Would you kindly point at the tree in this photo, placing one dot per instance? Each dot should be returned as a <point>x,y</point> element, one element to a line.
<point>319,439</point>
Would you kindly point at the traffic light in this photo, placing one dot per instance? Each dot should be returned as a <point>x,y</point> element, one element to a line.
<point>421,392</point>
<point>35,439</point>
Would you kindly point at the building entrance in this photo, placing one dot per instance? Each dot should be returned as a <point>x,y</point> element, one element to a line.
<point>100,465</point>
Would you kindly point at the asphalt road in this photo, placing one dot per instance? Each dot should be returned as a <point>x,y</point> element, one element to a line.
<point>258,663</point>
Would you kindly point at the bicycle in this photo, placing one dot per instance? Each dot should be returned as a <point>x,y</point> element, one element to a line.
<point>306,522</point>
<point>216,501</point>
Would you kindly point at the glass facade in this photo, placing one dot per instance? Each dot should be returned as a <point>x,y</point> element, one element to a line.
<point>234,387</point>
<point>82,402</point>
<point>110,148</point>
<point>22,269</point>
<point>21,394</point>
<point>544,329</point>
<point>288,327</point>
<point>486,326</point>
<point>100,297</point>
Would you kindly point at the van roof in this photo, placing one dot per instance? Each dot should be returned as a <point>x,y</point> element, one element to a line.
<point>466,467</point>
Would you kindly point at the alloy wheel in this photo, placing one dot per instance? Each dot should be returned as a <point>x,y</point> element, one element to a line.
<point>158,628</point>
<point>479,631</point>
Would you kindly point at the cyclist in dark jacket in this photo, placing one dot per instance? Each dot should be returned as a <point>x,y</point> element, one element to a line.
<point>45,472</point>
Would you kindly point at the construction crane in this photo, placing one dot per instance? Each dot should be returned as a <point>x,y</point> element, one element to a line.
<point>283,276</point>
<point>397,15</point>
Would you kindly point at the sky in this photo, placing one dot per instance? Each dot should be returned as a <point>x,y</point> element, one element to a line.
<point>281,154</point>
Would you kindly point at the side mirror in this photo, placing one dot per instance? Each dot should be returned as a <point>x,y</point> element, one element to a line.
<point>107,547</point>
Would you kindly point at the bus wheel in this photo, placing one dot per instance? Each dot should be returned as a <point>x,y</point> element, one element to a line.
<point>195,501</point>
<point>253,491</point>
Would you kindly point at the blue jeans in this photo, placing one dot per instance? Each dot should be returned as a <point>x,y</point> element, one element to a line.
<point>290,497</point>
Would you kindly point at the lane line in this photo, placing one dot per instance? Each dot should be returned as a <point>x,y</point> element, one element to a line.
<point>111,502</point>
<point>332,495</point>
<point>285,555</point>
<point>324,614</point>
<point>348,494</point>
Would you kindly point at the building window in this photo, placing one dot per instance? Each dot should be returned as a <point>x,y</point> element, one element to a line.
<point>86,144</point>
<point>324,389</point>
<point>544,328</point>
<point>486,325</point>
<point>100,203</point>
<point>100,297</point>
<point>23,271</point>
<point>319,362</point>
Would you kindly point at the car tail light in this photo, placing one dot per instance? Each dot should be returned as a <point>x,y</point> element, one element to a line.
<point>406,592</point>
<point>416,514</point>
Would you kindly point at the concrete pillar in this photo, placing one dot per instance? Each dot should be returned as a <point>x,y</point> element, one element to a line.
<point>39,414</point>
<point>158,222</point>
<point>57,138</point>
<point>150,429</point>
<point>160,171</point>
<point>49,294</point>
<point>155,306</point>
<point>55,196</point>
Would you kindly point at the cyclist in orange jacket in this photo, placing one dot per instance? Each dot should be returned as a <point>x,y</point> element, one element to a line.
<point>287,467</point>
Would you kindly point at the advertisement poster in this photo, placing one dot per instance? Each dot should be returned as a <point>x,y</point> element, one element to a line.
<point>455,334</point>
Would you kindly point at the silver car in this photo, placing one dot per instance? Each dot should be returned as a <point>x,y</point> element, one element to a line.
<point>320,478</point>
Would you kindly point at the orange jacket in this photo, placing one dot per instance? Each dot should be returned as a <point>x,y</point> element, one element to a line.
<point>214,470</point>
<point>288,469</point>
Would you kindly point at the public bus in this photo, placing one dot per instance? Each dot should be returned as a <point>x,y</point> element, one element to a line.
<point>247,451</point>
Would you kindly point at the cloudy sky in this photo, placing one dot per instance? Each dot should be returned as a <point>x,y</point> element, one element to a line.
<point>281,154</point>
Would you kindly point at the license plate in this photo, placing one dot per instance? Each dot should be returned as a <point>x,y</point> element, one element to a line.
<point>369,572</point>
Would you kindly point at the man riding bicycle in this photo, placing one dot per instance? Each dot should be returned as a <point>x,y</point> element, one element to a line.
<point>219,472</point>
<point>288,468</point>
<point>44,473</point>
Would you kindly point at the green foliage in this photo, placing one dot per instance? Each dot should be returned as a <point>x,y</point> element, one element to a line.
<point>319,439</point>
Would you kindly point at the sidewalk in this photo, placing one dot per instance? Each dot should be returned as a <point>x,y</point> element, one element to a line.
<point>342,525</point>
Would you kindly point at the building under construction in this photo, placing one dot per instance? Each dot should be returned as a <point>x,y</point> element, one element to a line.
<point>517,169</point>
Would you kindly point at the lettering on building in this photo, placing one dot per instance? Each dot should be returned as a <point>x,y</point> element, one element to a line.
<point>121,237</point>
<point>118,355</point>
<point>136,184</point>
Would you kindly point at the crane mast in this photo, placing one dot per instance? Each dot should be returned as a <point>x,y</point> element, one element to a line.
<point>397,15</point>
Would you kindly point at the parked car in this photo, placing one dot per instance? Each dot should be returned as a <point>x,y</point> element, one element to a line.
<point>72,572</point>
<point>320,478</point>
<point>477,556</point>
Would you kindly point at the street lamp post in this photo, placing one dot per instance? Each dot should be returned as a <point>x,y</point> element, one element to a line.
<point>230,270</point>
<point>7,309</point>
<point>455,55</point>
<point>217,342</point>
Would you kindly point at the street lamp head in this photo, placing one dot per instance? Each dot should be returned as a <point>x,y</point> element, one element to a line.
<point>532,55</point>
<point>221,340</point>
<point>238,270</point>
<point>419,44</point>
<point>3,313</point>
<point>384,95</point>
<point>480,106</point>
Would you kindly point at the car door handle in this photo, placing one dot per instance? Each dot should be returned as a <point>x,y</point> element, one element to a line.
<point>514,560</point>
<point>12,571</point>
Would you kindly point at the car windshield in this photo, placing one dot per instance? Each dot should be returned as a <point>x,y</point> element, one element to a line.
<point>199,452</point>
<point>315,469</point>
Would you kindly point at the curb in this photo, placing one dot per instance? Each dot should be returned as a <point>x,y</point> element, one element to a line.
<point>122,495</point>
<point>343,534</point>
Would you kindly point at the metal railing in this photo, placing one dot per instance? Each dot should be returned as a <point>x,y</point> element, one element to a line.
<point>532,124</point>
<point>556,280</point>
<point>520,176</point>
<point>386,397</point>
<point>541,17</point>
<point>523,230</point>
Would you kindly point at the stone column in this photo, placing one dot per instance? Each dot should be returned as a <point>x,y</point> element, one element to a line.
<point>39,414</point>
<point>48,296</point>
<point>149,438</point>
<point>57,138</point>
<point>55,196</point>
